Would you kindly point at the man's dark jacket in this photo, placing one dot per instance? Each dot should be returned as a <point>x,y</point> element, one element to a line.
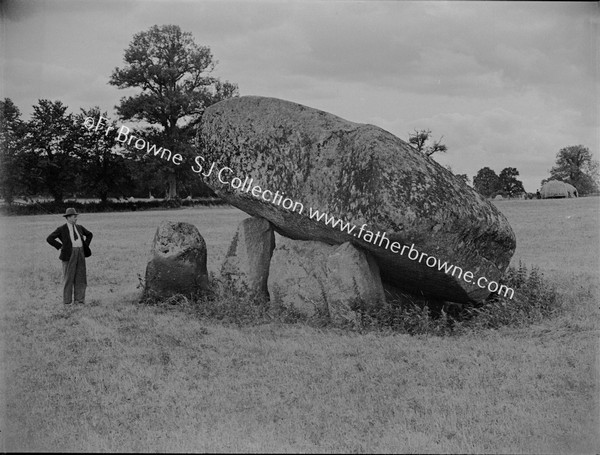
<point>65,246</point>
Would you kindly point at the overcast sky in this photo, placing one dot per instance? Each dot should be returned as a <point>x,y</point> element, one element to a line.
<point>504,83</point>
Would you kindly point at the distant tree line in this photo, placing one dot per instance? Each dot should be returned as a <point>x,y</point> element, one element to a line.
<point>53,154</point>
<point>574,165</point>
<point>490,184</point>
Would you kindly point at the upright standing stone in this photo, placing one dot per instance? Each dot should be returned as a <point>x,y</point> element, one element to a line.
<point>353,278</point>
<point>178,261</point>
<point>297,275</point>
<point>247,261</point>
<point>316,278</point>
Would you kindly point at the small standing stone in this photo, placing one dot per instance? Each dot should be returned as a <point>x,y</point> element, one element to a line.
<point>178,261</point>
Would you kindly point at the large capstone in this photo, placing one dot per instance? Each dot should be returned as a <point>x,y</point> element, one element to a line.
<point>283,162</point>
<point>177,261</point>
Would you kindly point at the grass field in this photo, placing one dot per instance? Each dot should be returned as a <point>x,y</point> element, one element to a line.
<point>114,375</point>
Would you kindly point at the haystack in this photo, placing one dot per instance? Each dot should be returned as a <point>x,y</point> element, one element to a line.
<point>557,189</point>
<point>572,190</point>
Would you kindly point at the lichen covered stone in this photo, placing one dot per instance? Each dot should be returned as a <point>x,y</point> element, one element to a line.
<point>360,174</point>
<point>177,262</point>
<point>314,278</point>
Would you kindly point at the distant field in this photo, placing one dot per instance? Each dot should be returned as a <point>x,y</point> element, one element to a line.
<point>117,376</point>
<point>559,235</point>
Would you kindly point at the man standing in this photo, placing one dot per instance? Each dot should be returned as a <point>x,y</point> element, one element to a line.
<point>74,246</point>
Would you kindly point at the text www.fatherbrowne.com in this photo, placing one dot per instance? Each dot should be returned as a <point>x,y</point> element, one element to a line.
<point>412,253</point>
<point>380,239</point>
<point>277,198</point>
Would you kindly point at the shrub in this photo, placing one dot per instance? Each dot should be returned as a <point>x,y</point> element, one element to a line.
<point>406,317</point>
<point>535,299</point>
<point>222,302</point>
<point>231,304</point>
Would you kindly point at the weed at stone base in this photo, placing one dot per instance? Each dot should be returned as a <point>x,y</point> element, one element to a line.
<point>534,300</point>
<point>150,297</point>
<point>231,302</point>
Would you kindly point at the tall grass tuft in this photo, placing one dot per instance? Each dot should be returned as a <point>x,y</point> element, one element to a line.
<point>535,299</point>
<point>231,303</point>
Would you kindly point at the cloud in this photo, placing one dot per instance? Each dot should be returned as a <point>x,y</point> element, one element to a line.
<point>453,49</point>
<point>506,83</point>
<point>500,138</point>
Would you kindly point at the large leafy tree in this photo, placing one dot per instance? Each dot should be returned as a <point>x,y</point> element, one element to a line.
<point>593,170</point>
<point>574,165</point>
<point>151,175</point>
<point>486,182</point>
<point>509,184</point>
<point>103,169</point>
<point>51,149</point>
<point>423,141</point>
<point>12,133</point>
<point>173,73</point>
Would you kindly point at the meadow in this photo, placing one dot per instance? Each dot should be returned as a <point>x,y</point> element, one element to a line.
<point>115,375</point>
